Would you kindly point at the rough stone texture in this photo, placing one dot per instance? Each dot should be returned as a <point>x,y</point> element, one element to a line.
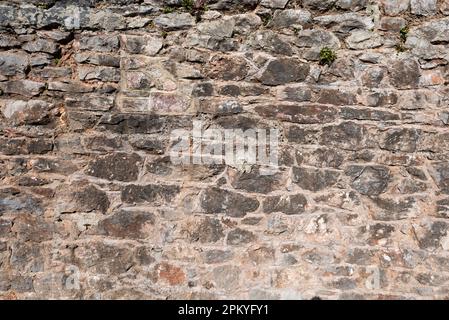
<point>91,207</point>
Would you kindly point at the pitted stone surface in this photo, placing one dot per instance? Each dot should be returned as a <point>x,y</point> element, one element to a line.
<point>90,92</point>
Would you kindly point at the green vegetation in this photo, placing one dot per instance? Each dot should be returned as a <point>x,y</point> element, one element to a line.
<point>168,10</point>
<point>400,47</point>
<point>43,5</point>
<point>266,19</point>
<point>187,4</point>
<point>327,56</point>
<point>404,33</point>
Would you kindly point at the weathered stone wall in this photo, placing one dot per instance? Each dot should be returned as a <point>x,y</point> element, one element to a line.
<point>91,206</point>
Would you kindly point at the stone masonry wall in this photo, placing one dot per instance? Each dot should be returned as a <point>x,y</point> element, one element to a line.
<point>91,207</point>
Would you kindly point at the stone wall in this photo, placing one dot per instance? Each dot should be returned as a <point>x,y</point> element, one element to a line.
<point>91,207</point>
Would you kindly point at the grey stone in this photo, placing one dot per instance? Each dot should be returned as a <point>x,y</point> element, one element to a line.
<point>217,256</point>
<point>246,23</point>
<point>368,114</point>
<point>314,179</point>
<point>41,45</point>
<point>360,40</point>
<point>208,230</point>
<point>392,24</point>
<point>227,277</point>
<point>315,38</point>
<point>327,158</point>
<point>369,180</point>
<point>147,45</point>
<point>32,228</point>
<point>401,140</point>
<point>26,88</point>
<point>304,114</point>
<point>69,86</point>
<point>321,5</point>
<point>440,173</point>
<point>13,63</point>
<point>222,28</point>
<point>127,224</point>
<point>117,166</point>
<point>149,193</point>
<point>424,7</point>
<point>203,89</point>
<point>239,237</point>
<point>56,35</point>
<point>52,72</point>
<point>141,124</point>
<point>404,73</point>
<point>434,232</point>
<point>372,77</point>
<point>427,40</point>
<point>395,7</point>
<point>174,21</point>
<point>27,257</point>
<point>345,23</point>
<point>442,208</point>
<point>102,43</point>
<point>144,256</point>
<point>99,59</point>
<point>12,200</point>
<point>290,18</point>
<point>284,70</point>
<point>153,145</point>
<point>279,4</point>
<point>227,68</point>
<point>336,97</point>
<point>90,102</point>
<point>82,197</point>
<point>99,73</point>
<point>354,5</point>
<point>347,135</point>
<point>26,112</point>
<point>104,258</point>
<point>254,181</point>
<point>291,204</point>
<point>7,41</point>
<point>215,200</point>
<point>16,146</point>
<point>270,41</point>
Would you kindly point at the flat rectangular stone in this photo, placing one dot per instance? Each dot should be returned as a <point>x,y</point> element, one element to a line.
<point>90,102</point>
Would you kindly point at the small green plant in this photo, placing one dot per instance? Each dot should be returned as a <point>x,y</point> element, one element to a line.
<point>266,19</point>
<point>400,47</point>
<point>296,29</point>
<point>327,56</point>
<point>57,61</point>
<point>150,25</point>
<point>404,33</point>
<point>168,10</point>
<point>164,34</point>
<point>43,5</point>
<point>187,4</point>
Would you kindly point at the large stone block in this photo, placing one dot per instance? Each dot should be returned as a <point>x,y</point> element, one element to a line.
<point>215,200</point>
<point>117,166</point>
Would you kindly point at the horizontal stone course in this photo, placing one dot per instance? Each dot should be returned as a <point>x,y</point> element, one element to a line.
<point>92,92</point>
